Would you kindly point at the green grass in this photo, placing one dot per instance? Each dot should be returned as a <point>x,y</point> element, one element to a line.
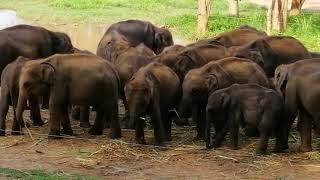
<point>179,15</point>
<point>39,175</point>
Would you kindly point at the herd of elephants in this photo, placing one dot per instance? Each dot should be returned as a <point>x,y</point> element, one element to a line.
<point>240,78</point>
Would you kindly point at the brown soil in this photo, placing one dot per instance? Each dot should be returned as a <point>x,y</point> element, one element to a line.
<point>123,159</point>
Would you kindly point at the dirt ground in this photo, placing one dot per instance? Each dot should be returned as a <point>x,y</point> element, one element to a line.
<point>183,158</point>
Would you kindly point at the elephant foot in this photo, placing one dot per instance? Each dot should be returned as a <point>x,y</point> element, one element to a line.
<point>16,133</point>
<point>95,131</point>
<point>115,133</point>
<point>2,132</point>
<point>67,132</point>
<point>169,138</point>
<point>280,149</point>
<point>305,148</point>
<point>209,146</point>
<point>54,134</point>
<point>107,125</point>
<point>38,123</point>
<point>141,141</point>
<point>260,151</point>
<point>198,137</point>
<point>85,124</point>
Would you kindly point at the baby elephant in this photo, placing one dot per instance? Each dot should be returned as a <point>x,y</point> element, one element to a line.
<point>247,104</point>
<point>10,93</point>
<point>77,79</point>
<point>153,90</point>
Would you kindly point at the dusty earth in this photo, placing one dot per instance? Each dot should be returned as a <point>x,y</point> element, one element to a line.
<point>183,158</point>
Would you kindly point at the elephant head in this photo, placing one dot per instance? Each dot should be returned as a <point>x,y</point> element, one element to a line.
<point>35,79</point>
<point>139,94</point>
<point>174,49</point>
<point>260,52</point>
<point>162,39</point>
<point>187,60</point>
<point>112,45</point>
<point>199,83</point>
<point>61,43</point>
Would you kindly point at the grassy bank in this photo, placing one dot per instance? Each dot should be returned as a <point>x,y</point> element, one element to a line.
<point>39,175</point>
<point>179,15</point>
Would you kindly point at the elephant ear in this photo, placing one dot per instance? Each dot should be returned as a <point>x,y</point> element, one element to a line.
<point>162,38</point>
<point>47,73</point>
<point>225,100</point>
<point>262,46</point>
<point>61,43</point>
<point>281,77</point>
<point>212,83</point>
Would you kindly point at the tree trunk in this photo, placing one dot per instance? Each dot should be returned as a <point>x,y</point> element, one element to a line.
<point>296,6</point>
<point>204,7</point>
<point>277,16</point>
<point>233,7</point>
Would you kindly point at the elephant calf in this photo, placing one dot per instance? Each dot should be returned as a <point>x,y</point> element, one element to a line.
<point>78,79</point>
<point>10,93</point>
<point>245,104</point>
<point>153,90</point>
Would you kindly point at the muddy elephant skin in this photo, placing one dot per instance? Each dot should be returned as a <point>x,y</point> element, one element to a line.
<point>246,105</point>
<point>31,42</point>
<point>76,79</point>
<point>199,83</point>
<point>273,51</point>
<point>153,90</point>
<point>10,94</point>
<point>135,32</point>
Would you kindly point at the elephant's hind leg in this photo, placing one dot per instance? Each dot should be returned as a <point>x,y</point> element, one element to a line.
<point>306,130</point>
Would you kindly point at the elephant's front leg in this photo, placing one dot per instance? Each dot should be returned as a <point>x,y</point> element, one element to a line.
<point>306,131</point>
<point>55,121</point>
<point>198,115</point>
<point>140,132</point>
<point>65,121</point>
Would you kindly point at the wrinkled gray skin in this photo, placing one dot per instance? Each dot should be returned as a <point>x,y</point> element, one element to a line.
<point>199,83</point>
<point>302,95</point>
<point>77,79</point>
<point>245,105</point>
<point>153,90</point>
<point>135,32</point>
<point>273,51</point>
<point>10,94</point>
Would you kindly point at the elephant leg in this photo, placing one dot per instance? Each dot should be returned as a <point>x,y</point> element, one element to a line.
<point>45,100</point>
<point>65,122</point>
<point>115,129</point>
<point>234,124</point>
<point>198,115</point>
<point>84,116</point>
<point>35,111</point>
<point>306,130</point>
<point>97,128</point>
<point>265,129</point>
<point>56,115</point>
<point>167,125</point>
<point>220,134</point>
<point>140,132</point>
<point>75,113</point>
<point>4,107</point>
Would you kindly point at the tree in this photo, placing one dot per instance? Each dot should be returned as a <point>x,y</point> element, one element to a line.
<point>204,7</point>
<point>277,16</point>
<point>296,6</point>
<point>233,7</point>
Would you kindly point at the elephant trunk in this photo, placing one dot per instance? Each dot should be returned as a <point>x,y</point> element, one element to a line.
<point>22,102</point>
<point>185,108</point>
